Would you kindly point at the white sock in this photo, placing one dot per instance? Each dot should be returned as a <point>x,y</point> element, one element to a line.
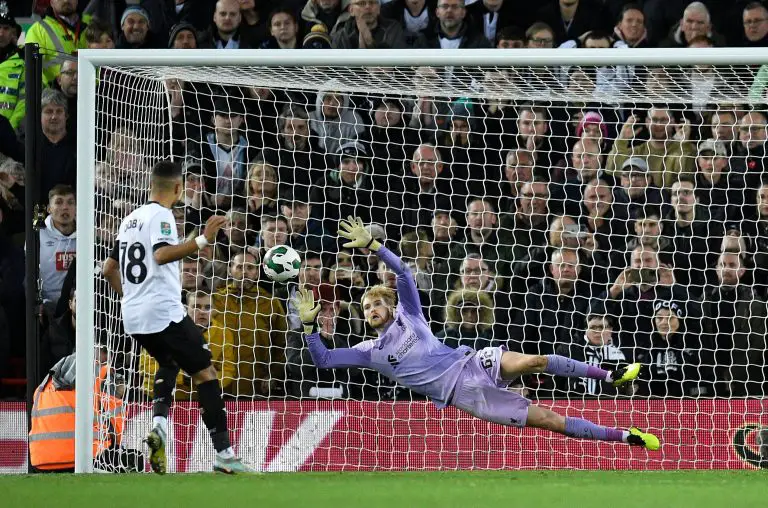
<point>162,421</point>
<point>229,453</point>
<point>609,377</point>
<point>624,435</point>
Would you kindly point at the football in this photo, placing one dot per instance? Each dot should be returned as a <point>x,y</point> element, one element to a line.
<point>282,263</point>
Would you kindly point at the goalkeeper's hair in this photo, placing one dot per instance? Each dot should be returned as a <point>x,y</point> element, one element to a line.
<point>386,293</point>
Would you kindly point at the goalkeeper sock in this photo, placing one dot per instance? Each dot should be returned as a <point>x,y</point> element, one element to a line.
<point>214,414</point>
<point>578,427</point>
<point>568,367</point>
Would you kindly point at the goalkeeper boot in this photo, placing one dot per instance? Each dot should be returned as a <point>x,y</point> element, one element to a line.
<point>624,375</point>
<point>230,465</point>
<point>156,443</point>
<point>639,438</point>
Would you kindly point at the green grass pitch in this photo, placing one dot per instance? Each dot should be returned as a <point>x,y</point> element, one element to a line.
<point>517,489</point>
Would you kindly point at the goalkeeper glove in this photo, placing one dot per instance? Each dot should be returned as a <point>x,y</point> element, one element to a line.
<point>354,230</point>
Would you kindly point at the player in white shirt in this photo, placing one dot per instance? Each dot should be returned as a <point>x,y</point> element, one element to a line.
<point>143,269</point>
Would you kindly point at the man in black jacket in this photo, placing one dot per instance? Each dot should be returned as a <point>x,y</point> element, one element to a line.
<point>453,32</point>
<point>59,339</point>
<point>368,29</point>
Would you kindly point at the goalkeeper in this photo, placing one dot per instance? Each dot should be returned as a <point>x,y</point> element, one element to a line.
<point>473,381</point>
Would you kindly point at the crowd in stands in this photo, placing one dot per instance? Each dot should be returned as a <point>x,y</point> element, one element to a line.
<point>609,232</point>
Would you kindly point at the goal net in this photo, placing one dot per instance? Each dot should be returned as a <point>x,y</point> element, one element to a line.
<point>611,213</point>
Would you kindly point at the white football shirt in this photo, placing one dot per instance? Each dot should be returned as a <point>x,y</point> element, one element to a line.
<point>151,292</point>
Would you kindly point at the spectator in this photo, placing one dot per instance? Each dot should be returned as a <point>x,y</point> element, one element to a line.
<point>303,232</point>
<point>328,13</point>
<point>254,26</point>
<point>636,191</point>
<point>468,320</point>
<point>443,234</point>
<point>429,112</point>
<point>600,218</point>
<point>274,231</point>
<point>9,35</point>
<point>491,16</point>
<point>58,340</point>
<point>224,153</point>
<point>571,18</point>
<point>59,33</point>
<point>99,35</point>
<point>723,128</point>
<point>423,188</point>
<point>630,28</point>
<point>58,241</point>
<point>123,175</point>
<point>12,194</point>
<point>259,323</point>
<point>13,103</point>
<point>453,31</point>
<point>755,20</point>
<point>334,122</point>
<point>586,160</point>
<point>510,37</point>
<point>66,82</point>
<point>58,150</point>
<point>539,35</point>
<point>673,364</point>
<point>227,32</point>
<point>695,22</point>
<point>325,383</point>
<point>417,17</point>
<point>749,153</point>
<point>759,233</point>
<point>555,308</point>
<point>368,28</point>
<point>599,349</point>
<point>689,230</point>
<point>416,251</point>
<point>135,30</point>
<point>482,237</point>
<point>183,36</point>
<point>535,136</point>
<point>12,302</point>
<point>345,191</point>
<point>648,231</point>
<point>261,192</point>
<point>735,328</point>
<point>667,152</point>
<point>283,30</point>
<point>526,231</point>
<point>518,170</point>
<point>391,140</point>
<point>495,120</point>
<point>717,188</point>
<point>237,235</point>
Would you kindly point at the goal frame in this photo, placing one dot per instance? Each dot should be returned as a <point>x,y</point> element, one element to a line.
<point>90,59</point>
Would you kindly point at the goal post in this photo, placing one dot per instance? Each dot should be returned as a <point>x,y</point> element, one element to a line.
<point>307,71</point>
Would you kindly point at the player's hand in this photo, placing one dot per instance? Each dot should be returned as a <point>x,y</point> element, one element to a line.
<point>212,227</point>
<point>305,304</point>
<point>354,230</point>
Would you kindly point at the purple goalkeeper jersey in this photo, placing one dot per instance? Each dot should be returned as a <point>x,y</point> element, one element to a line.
<point>406,352</point>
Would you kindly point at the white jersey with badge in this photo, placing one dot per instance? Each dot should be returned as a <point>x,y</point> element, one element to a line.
<point>151,292</point>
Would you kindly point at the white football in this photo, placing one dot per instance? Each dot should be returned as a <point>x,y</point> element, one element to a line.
<point>282,263</point>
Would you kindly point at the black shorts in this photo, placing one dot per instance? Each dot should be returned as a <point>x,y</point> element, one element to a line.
<point>179,344</point>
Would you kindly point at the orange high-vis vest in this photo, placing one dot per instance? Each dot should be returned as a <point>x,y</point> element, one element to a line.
<point>52,437</point>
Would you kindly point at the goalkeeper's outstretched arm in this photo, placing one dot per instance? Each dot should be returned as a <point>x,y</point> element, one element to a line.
<point>324,358</point>
<point>354,230</point>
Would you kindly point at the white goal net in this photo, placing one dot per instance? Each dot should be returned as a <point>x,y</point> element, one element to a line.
<point>611,213</point>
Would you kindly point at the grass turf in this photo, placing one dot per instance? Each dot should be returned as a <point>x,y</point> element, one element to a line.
<point>524,489</point>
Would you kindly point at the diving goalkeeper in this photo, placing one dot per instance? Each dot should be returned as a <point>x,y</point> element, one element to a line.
<point>474,381</point>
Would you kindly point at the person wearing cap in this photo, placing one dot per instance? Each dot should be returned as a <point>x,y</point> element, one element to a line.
<point>346,189</point>
<point>10,31</point>
<point>717,187</point>
<point>636,189</point>
<point>735,324</point>
<point>668,152</point>
<point>183,36</point>
<point>673,362</point>
<point>469,320</point>
<point>59,33</point>
<point>368,29</point>
<point>317,38</point>
<point>135,34</point>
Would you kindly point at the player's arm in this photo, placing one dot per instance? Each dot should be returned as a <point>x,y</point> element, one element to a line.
<point>323,357</point>
<point>167,253</point>
<point>354,230</point>
<point>111,270</point>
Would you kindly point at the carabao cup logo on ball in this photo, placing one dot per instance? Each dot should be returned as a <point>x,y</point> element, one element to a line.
<point>282,263</point>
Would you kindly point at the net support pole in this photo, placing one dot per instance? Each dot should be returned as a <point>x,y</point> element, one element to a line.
<point>33,83</point>
<point>84,279</point>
